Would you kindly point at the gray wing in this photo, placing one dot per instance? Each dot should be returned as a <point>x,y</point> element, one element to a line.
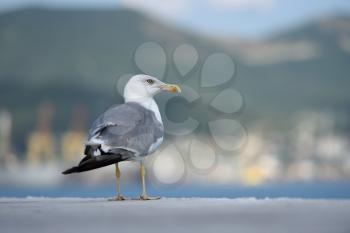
<point>123,115</point>
<point>128,126</point>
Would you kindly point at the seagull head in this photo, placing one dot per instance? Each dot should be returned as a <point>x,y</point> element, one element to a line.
<point>145,86</point>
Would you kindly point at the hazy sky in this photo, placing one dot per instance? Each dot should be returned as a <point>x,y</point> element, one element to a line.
<point>241,17</point>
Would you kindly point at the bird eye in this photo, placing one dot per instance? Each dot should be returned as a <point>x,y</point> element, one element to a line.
<point>150,81</point>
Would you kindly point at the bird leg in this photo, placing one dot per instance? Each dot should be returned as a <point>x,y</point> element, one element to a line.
<point>119,196</point>
<point>144,195</point>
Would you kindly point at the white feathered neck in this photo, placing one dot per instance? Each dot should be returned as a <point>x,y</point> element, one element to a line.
<point>137,95</point>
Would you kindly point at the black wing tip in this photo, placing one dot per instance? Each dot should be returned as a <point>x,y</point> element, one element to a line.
<point>69,171</point>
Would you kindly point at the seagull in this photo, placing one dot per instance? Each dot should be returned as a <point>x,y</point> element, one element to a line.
<point>127,132</point>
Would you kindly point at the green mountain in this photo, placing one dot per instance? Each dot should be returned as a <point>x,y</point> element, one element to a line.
<point>75,56</point>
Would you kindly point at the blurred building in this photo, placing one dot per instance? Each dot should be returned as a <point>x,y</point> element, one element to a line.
<point>72,145</point>
<point>7,157</point>
<point>41,142</point>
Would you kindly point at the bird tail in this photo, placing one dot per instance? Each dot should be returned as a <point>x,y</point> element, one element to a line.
<point>90,162</point>
<point>89,152</point>
<point>71,170</point>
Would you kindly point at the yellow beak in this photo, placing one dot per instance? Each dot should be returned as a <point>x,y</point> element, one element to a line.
<point>171,88</point>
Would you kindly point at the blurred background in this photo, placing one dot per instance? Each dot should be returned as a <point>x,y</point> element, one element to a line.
<point>275,123</point>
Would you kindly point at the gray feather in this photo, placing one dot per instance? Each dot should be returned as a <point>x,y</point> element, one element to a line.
<point>129,126</point>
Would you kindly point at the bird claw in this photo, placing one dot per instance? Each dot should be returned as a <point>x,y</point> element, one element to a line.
<point>118,198</point>
<point>147,198</point>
